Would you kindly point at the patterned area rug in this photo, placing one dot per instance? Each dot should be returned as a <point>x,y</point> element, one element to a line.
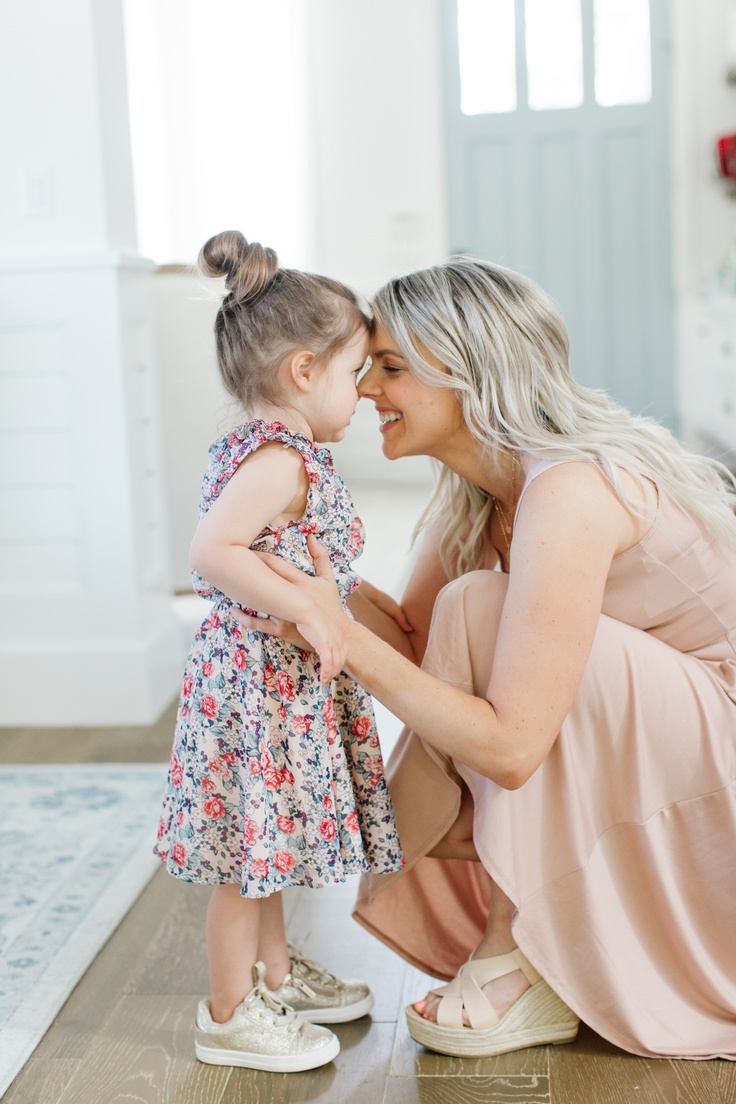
<point>75,853</point>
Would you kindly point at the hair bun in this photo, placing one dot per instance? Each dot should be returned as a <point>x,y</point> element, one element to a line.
<point>248,267</point>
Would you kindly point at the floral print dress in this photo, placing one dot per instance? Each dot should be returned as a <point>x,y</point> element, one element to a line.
<point>274,779</point>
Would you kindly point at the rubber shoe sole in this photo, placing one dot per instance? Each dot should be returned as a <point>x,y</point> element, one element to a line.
<point>272,1063</point>
<point>342,1014</point>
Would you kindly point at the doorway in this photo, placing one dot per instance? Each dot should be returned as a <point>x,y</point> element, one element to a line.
<point>557,115</point>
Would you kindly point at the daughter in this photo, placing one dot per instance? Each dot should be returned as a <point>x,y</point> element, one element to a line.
<point>276,776</point>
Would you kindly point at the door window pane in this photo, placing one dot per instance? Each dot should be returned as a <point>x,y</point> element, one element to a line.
<point>623,55</point>
<point>487,56</point>
<point>554,53</point>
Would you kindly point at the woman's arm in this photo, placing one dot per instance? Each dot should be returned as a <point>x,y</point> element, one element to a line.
<point>414,614</point>
<point>571,526</point>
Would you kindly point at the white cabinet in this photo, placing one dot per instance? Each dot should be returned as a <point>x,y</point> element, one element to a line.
<point>707,373</point>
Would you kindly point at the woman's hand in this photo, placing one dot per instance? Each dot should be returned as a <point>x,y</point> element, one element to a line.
<point>324,629</point>
<point>386,604</point>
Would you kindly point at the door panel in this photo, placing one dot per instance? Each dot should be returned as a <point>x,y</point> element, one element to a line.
<point>578,199</point>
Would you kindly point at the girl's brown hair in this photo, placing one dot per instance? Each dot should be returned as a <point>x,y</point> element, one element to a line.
<point>269,312</point>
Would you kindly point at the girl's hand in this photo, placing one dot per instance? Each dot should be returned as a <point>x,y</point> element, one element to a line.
<point>386,604</point>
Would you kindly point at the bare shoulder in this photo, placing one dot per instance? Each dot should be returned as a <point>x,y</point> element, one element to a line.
<point>578,497</point>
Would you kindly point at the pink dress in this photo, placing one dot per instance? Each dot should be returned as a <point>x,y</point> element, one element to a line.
<point>275,780</point>
<point>620,851</point>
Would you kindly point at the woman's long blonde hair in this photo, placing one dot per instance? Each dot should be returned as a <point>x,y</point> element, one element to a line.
<point>506,351</point>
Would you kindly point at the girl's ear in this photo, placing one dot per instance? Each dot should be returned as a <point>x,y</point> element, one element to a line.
<point>301,368</point>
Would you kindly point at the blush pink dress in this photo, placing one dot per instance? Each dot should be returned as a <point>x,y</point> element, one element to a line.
<point>619,853</point>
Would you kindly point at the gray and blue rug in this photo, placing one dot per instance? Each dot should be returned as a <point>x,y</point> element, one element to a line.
<point>75,853</point>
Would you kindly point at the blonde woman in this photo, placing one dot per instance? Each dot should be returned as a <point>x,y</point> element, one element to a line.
<point>564,789</point>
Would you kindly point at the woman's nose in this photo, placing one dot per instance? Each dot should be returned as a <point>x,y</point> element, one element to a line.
<point>368,383</point>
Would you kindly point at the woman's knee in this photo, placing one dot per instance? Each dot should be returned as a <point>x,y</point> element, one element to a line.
<point>483,587</point>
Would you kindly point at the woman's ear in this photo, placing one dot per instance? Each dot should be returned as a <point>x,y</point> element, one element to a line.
<point>301,368</point>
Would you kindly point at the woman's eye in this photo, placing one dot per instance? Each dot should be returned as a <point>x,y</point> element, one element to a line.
<point>392,368</point>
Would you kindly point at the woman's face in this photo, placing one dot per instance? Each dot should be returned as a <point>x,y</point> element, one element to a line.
<point>416,419</point>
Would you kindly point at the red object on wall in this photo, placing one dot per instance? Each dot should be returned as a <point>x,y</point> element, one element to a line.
<point>726,155</point>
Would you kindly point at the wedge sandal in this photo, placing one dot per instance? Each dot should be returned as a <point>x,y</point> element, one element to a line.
<point>536,1018</point>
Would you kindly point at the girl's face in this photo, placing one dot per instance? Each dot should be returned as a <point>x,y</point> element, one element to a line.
<point>416,419</point>
<point>337,389</point>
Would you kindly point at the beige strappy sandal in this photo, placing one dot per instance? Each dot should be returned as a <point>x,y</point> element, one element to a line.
<point>536,1018</point>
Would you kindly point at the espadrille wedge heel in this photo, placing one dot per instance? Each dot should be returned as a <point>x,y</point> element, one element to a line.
<point>536,1018</point>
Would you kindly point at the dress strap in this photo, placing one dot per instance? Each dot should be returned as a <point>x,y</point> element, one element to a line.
<point>534,471</point>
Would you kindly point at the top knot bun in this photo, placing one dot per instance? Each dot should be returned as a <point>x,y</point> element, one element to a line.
<point>248,267</point>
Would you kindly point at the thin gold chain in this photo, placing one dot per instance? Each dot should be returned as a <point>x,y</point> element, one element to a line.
<point>505,527</point>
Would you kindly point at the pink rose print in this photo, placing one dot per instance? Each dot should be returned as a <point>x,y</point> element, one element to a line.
<point>208,706</point>
<point>309,527</point>
<point>283,712</point>
<point>240,658</point>
<point>355,541</point>
<point>286,686</point>
<point>229,757</point>
<point>214,808</point>
<point>206,669</point>
<point>259,868</point>
<point>250,831</point>
<point>178,854</point>
<point>327,803</point>
<point>327,830</point>
<point>351,822</point>
<point>300,725</point>
<point>186,686</point>
<point>283,861</point>
<point>219,766</point>
<point>374,781</point>
<point>208,785</point>
<point>237,634</point>
<point>185,711</point>
<point>285,824</point>
<point>175,768</point>
<point>212,622</point>
<point>374,742</point>
<point>269,678</point>
<point>272,778</point>
<point>180,817</point>
<point>362,727</point>
<point>161,829</point>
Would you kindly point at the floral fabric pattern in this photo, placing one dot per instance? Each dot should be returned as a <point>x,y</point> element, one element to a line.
<point>274,779</point>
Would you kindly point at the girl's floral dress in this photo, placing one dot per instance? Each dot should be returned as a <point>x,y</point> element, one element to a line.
<point>274,779</point>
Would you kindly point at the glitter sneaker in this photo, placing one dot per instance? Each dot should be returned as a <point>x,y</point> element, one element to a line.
<point>320,997</point>
<point>263,1033</point>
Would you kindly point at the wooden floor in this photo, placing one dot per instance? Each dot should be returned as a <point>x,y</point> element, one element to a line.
<point>125,1034</point>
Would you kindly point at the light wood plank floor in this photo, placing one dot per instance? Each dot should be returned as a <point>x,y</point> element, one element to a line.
<point>125,1034</point>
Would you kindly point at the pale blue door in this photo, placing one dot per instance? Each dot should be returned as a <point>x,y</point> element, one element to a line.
<point>558,149</point>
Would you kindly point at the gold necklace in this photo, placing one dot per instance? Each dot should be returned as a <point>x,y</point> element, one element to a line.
<point>505,527</point>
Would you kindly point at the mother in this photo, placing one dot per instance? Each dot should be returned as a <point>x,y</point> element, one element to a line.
<point>573,726</point>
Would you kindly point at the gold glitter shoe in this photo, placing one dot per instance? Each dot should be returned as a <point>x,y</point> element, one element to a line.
<point>320,997</point>
<point>263,1033</point>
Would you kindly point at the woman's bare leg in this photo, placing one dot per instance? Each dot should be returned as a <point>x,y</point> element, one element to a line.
<point>497,939</point>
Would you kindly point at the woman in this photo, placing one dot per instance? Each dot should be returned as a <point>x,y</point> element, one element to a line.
<point>573,726</point>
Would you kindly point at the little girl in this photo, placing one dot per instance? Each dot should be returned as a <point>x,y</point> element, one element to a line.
<point>276,777</point>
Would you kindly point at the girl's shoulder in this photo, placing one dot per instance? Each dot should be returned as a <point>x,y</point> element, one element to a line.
<point>229,451</point>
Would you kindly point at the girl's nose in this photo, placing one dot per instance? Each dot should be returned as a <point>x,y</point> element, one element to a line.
<point>368,383</point>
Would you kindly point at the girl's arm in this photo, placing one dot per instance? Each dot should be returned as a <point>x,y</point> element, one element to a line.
<point>270,486</point>
<point>571,526</point>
